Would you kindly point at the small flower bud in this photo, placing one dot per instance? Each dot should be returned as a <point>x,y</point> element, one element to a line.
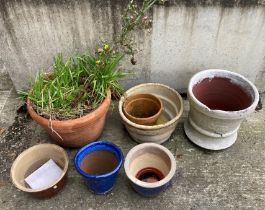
<point>106,47</point>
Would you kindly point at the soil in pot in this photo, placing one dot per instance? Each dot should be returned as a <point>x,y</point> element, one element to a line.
<point>99,162</point>
<point>222,94</point>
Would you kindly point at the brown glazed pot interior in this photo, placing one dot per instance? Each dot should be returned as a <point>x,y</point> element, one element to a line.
<point>221,94</point>
<point>99,162</point>
<point>150,175</point>
<point>33,158</point>
<point>142,109</point>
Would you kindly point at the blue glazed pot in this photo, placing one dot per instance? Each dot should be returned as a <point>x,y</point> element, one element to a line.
<point>150,168</point>
<point>99,183</point>
<point>150,192</point>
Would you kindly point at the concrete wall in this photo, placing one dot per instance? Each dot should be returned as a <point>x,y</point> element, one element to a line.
<point>187,36</point>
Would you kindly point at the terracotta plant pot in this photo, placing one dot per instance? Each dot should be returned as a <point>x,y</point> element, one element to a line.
<point>219,101</point>
<point>31,159</point>
<point>150,168</point>
<point>143,109</point>
<point>168,119</point>
<point>99,163</point>
<point>76,132</point>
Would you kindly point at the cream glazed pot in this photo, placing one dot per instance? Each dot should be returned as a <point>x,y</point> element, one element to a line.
<point>219,101</point>
<point>169,117</point>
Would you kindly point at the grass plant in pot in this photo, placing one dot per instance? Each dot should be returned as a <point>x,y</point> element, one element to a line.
<point>71,102</point>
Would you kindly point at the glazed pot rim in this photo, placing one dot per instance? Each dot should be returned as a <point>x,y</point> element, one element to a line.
<point>78,121</point>
<point>100,142</point>
<point>196,78</point>
<point>160,183</point>
<point>151,127</point>
<point>39,146</point>
<point>157,114</point>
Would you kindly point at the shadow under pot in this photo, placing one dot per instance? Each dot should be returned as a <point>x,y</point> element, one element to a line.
<point>99,164</point>
<point>31,160</point>
<point>143,109</point>
<point>219,101</point>
<point>150,167</point>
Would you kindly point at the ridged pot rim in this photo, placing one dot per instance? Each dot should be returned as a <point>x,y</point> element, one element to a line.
<point>83,150</point>
<point>78,122</point>
<point>140,183</point>
<point>30,149</point>
<point>150,127</point>
<point>211,73</point>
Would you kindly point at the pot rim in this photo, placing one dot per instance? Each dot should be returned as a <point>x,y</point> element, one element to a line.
<point>157,114</point>
<point>150,127</point>
<point>160,183</point>
<point>210,73</point>
<point>100,142</point>
<point>94,115</point>
<point>39,146</point>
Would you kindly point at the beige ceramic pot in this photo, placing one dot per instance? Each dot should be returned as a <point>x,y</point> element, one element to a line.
<point>77,132</point>
<point>31,159</point>
<point>168,119</point>
<point>143,109</point>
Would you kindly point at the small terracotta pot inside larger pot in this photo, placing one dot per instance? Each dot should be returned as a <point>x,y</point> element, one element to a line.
<point>143,109</point>
<point>77,132</point>
<point>32,159</point>
<point>150,168</point>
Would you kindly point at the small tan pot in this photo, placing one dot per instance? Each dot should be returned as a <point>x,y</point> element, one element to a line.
<point>143,109</point>
<point>31,159</point>
<point>77,132</point>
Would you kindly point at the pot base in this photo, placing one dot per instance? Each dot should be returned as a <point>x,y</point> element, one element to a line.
<point>207,142</point>
<point>99,193</point>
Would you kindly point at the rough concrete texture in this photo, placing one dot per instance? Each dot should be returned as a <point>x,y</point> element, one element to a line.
<point>9,101</point>
<point>229,179</point>
<point>187,36</point>
<point>199,38</point>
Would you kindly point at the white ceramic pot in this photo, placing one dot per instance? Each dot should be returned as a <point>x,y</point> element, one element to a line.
<point>150,168</point>
<point>219,101</point>
<point>166,124</point>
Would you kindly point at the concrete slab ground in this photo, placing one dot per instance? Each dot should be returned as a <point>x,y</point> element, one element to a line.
<point>229,179</point>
